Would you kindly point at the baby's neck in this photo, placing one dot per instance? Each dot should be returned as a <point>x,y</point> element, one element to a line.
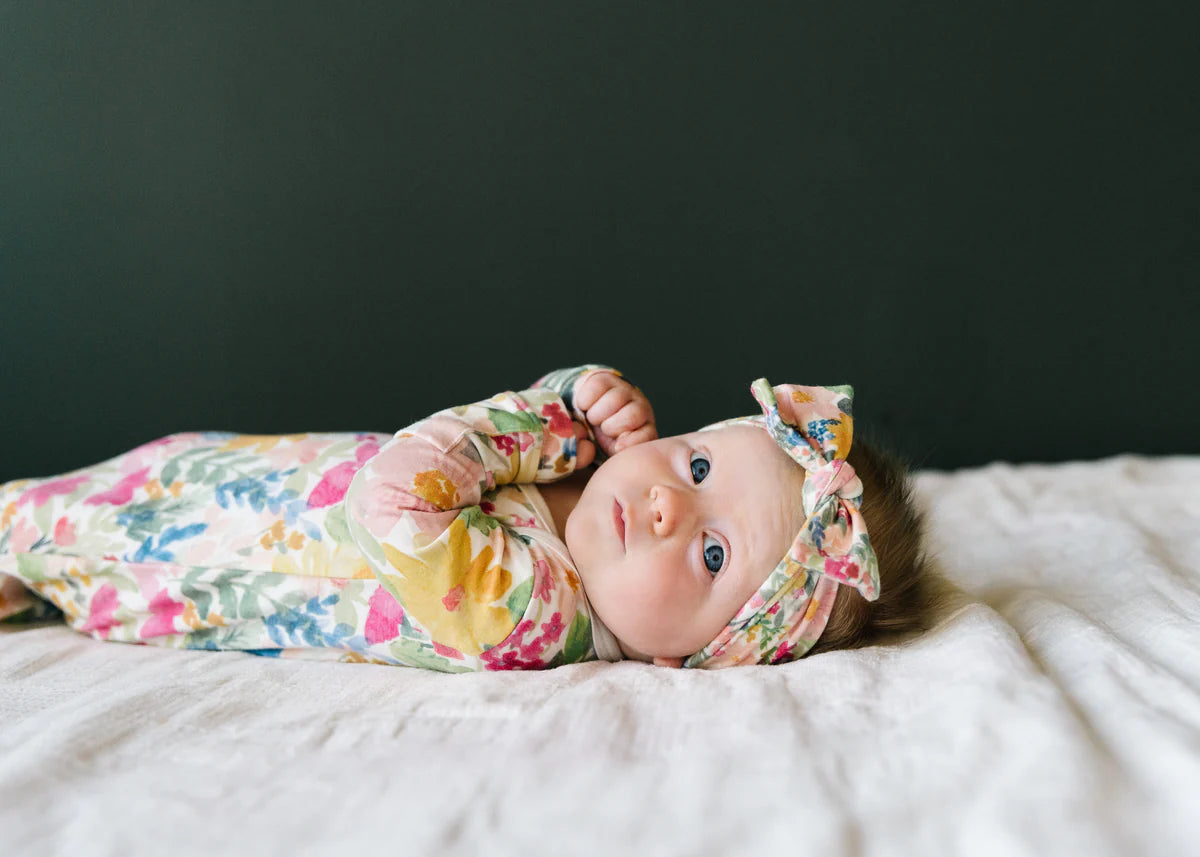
<point>562,496</point>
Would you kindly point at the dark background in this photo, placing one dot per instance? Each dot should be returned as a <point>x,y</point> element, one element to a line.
<point>301,216</point>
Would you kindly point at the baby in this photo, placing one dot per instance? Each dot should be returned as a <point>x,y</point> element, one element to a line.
<point>530,530</point>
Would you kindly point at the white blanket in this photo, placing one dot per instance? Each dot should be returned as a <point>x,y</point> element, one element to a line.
<point>1055,710</point>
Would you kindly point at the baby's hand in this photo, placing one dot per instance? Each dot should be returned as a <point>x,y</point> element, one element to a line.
<point>618,412</point>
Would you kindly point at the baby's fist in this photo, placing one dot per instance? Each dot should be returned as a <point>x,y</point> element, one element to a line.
<point>618,412</point>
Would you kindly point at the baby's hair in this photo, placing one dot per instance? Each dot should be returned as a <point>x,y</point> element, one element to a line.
<point>909,595</point>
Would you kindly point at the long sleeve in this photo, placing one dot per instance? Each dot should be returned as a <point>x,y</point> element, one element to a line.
<point>483,589</point>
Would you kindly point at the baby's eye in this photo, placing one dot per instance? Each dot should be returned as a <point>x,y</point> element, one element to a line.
<point>700,467</point>
<point>714,555</point>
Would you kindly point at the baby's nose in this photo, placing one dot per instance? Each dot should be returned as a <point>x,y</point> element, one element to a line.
<point>667,507</point>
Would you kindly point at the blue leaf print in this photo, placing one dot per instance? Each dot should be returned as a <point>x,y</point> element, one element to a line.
<point>303,625</point>
<point>818,532</point>
<point>148,550</point>
<point>253,491</point>
<point>819,431</point>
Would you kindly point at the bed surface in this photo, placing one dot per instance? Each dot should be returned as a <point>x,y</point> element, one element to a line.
<point>1054,710</point>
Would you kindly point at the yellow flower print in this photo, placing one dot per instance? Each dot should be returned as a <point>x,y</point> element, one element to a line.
<point>843,433</point>
<point>9,511</point>
<point>316,560</point>
<point>812,609</point>
<point>192,619</point>
<point>800,397</point>
<point>295,541</point>
<point>154,489</point>
<point>449,590</point>
<point>435,487</point>
<point>273,535</point>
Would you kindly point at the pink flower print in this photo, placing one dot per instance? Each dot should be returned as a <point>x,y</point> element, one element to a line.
<point>64,532</point>
<point>383,617</point>
<point>505,443</point>
<point>533,651</point>
<point>366,451</point>
<point>785,649</point>
<point>510,660</point>
<point>122,492</point>
<point>517,637</point>
<point>543,580</point>
<point>559,420</point>
<point>163,610</point>
<point>774,608</point>
<point>446,651</point>
<point>553,629</point>
<point>332,487</point>
<point>452,598</point>
<point>525,439</point>
<point>842,568</point>
<point>39,495</point>
<point>22,536</point>
<point>100,612</point>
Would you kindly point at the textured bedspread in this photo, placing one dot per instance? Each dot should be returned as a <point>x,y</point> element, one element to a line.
<point>1055,710</point>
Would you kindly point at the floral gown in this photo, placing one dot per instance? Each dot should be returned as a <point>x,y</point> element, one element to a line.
<point>428,548</point>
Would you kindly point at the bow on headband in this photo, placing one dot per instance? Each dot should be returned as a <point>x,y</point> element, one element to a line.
<point>784,618</point>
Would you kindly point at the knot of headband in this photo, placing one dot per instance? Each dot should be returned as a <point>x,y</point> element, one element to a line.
<point>784,618</point>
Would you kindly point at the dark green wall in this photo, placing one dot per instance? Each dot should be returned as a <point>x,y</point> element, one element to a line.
<point>311,216</point>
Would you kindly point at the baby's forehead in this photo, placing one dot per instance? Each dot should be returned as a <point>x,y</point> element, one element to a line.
<point>750,448</point>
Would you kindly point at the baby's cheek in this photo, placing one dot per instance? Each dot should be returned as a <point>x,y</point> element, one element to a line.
<point>655,603</point>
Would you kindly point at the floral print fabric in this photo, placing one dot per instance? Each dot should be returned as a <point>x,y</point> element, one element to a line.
<point>425,548</point>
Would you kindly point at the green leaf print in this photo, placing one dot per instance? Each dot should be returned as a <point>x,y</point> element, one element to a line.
<point>345,611</point>
<point>335,525</point>
<point>419,654</point>
<point>519,600</point>
<point>296,482</point>
<point>579,640</point>
<point>32,567</point>
<point>169,472</point>
<point>249,606</point>
<point>507,421</point>
<point>43,517</point>
<point>473,516</point>
<point>200,597</point>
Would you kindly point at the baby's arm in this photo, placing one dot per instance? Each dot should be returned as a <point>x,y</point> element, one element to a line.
<point>415,511</point>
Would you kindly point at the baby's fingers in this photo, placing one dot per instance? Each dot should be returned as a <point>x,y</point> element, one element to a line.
<point>632,416</point>
<point>609,404</point>
<point>593,386</point>
<point>644,434</point>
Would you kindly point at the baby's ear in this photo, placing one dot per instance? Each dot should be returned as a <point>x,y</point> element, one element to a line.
<point>668,662</point>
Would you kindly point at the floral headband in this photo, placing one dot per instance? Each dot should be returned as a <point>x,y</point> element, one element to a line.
<point>784,618</point>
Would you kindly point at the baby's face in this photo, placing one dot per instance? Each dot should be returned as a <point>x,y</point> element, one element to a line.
<point>706,517</point>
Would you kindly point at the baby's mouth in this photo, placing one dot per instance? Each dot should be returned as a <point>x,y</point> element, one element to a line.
<point>619,521</point>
